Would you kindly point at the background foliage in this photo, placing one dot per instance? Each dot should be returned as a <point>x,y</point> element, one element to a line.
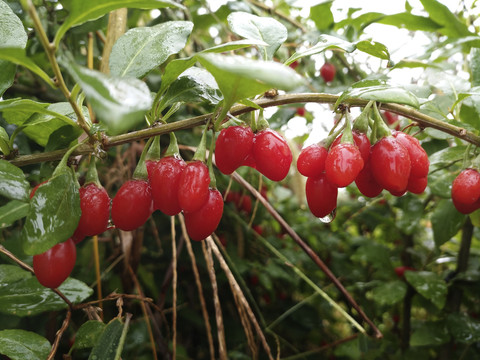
<point>174,64</point>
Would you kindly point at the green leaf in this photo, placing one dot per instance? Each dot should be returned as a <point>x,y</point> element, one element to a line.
<point>17,56</point>
<point>325,42</point>
<point>120,103</point>
<point>411,211</point>
<point>451,25</point>
<point>4,141</point>
<point>389,293</point>
<point>39,123</point>
<point>254,27</point>
<point>430,285</point>
<point>430,334</point>
<point>142,49</point>
<point>12,34</point>
<point>474,66</point>
<point>13,211</point>
<point>379,91</point>
<point>193,85</point>
<point>412,64</point>
<point>463,328</point>
<point>447,156</point>
<point>240,78</point>
<point>108,342</point>
<point>440,182</point>
<point>12,182</point>
<point>87,10</point>
<point>88,334</point>
<point>446,222</point>
<point>22,295</point>
<point>23,345</point>
<point>53,215</point>
<point>322,16</point>
<point>373,48</point>
<point>410,22</point>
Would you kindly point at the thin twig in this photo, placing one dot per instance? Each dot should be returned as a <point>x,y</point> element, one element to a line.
<point>222,346</point>
<point>96,258</point>
<point>59,335</point>
<point>198,282</point>
<point>308,250</point>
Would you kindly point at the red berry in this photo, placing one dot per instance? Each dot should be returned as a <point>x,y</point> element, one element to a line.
<point>232,147</point>
<point>362,142</point>
<point>245,204</point>
<point>272,155</point>
<point>343,164</point>
<point>390,164</point>
<point>258,229</point>
<point>366,183</point>
<point>77,236</point>
<point>400,270</point>
<point>466,187</point>
<point>294,64</point>
<point>392,119</point>
<point>193,186</point>
<point>417,185</point>
<point>311,161</point>
<point>203,222</point>
<point>164,176</point>
<point>95,206</point>
<point>301,111</point>
<point>54,265</point>
<point>418,156</point>
<point>321,196</point>
<point>249,161</point>
<point>466,208</point>
<point>132,205</point>
<point>327,72</point>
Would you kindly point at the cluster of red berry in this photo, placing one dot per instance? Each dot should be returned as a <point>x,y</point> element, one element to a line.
<point>396,162</point>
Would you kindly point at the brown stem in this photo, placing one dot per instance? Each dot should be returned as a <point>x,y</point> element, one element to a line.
<point>422,119</point>
<point>308,250</point>
<point>59,335</point>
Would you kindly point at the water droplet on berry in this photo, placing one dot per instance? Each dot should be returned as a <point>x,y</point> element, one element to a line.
<point>329,218</point>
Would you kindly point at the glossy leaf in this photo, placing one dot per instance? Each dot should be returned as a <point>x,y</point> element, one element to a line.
<point>53,215</point>
<point>255,27</point>
<point>12,34</point>
<point>325,42</point>
<point>4,141</point>
<point>451,25</point>
<point>13,211</point>
<point>142,49</point>
<point>87,10</point>
<point>22,295</point>
<point>463,328</point>
<point>108,342</point>
<point>389,293</point>
<point>119,103</point>
<point>410,22</point>
<point>23,345</point>
<point>447,156</point>
<point>12,182</point>
<point>379,91</point>
<point>193,85</point>
<point>430,334</point>
<point>240,78</point>
<point>373,48</point>
<point>430,285</point>
<point>88,334</point>
<point>446,222</point>
<point>176,67</point>
<point>17,56</point>
<point>40,125</point>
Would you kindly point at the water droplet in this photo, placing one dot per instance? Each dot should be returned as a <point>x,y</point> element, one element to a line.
<point>329,218</point>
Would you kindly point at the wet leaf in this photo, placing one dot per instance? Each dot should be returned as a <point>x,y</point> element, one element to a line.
<point>108,343</point>
<point>53,215</point>
<point>446,221</point>
<point>430,285</point>
<point>430,334</point>
<point>373,48</point>
<point>463,328</point>
<point>22,295</point>
<point>13,211</point>
<point>87,10</point>
<point>119,103</point>
<point>23,345</point>
<point>142,49</point>
<point>88,334</point>
<point>254,27</point>
<point>389,293</point>
<point>12,182</point>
